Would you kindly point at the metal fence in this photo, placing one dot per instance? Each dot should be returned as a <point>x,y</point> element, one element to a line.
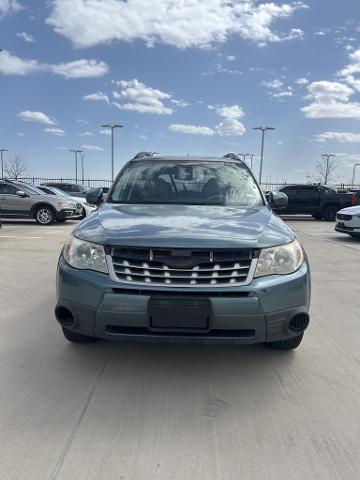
<point>92,183</point>
<point>275,186</point>
<point>89,182</point>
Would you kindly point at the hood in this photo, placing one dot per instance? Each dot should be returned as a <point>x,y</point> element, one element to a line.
<point>355,210</point>
<point>184,226</point>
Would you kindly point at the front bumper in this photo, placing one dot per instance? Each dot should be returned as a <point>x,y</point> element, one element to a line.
<point>348,226</point>
<point>66,213</point>
<point>258,312</point>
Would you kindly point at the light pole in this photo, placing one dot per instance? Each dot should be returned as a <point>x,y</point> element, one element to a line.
<point>327,156</point>
<point>76,162</point>
<point>251,155</point>
<point>112,126</point>
<point>353,177</point>
<point>82,155</point>
<point>263,130</point>
<point>2,150</point>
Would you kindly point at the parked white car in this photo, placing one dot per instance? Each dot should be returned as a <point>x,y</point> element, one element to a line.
<point>84,208</point>
<point>348,221</point>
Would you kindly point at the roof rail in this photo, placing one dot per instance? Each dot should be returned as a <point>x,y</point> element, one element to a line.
<point>143,154</point>
<point>233,156</point>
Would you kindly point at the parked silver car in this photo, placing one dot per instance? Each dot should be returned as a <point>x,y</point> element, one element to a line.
<point>20,200</point>
<point>83,209</point>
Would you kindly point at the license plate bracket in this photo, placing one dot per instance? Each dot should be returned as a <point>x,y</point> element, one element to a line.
<point>179,314</point>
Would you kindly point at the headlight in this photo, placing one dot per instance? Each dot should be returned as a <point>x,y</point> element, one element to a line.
<point>280,260</point>
<point>85,255</point>
<point>66,205</point>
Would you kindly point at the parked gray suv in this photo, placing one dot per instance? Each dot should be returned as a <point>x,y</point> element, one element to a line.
<point>20,200</point>
<point>184,249</point>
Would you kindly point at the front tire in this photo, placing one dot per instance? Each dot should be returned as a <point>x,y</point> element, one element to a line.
<point>44,215</point>
<point>77,337</point>
<point>289,344</point>
<point>330,213</point>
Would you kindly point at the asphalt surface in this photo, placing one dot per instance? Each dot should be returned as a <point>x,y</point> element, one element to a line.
<point>147,411</point>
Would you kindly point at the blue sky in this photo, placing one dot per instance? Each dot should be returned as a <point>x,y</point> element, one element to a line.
<point>182,76</point>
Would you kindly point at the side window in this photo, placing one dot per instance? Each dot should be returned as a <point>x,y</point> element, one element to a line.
<point>310,192</point>
<point>7,189</point>
<point>290,192</point>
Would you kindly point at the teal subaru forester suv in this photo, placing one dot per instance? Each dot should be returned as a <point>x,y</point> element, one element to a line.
<point>184,249</point>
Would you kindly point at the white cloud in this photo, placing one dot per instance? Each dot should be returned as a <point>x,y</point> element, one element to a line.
<point>27,37</point>
<point>92,148</point>
<point>342,137</point>
<point>85,122</point>
<point>97,97</point>
<point>105,131</point>
<point>81,69</point>
<point>143,99</point>
<point>302,81</point>
<point>331,100</point>
<point>59,132</point>
<point>230,126</point>
<point>194,23</point>
<point>235,111</point>
<point>20,134</point>
<point>9,6</point>
<point>85,134</point>
<point>285,93</point>
<point>12,65</point>
<point>179,103</point>
<point>191,129</point>
<point>275,84</point>
<point>38,117</point>
<point>351,73</point>
<point>231,58</point>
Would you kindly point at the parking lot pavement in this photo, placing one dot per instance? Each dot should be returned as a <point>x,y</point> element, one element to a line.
<point>146,411</point>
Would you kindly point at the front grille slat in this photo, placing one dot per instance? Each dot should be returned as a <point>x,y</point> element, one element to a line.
<point>200,269</point>
<point>181,267</point>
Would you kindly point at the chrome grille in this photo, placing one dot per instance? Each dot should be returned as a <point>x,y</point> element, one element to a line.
<point>180,267</point>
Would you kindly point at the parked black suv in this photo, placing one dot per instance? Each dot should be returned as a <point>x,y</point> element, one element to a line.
<point>320,201</point>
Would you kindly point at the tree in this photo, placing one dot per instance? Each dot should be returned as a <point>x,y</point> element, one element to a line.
<point>15,167</point>
<point>320,171</point>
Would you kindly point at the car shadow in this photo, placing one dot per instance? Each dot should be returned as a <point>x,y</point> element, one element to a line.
<point>31,222</point>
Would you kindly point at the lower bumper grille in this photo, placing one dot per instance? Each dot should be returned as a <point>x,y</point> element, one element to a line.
<point>133,331</point>
<point>180,267</point>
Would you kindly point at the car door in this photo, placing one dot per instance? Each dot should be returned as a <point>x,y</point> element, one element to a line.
<point>310,199</point>
<point>292,193</point>
<point>11,204</point>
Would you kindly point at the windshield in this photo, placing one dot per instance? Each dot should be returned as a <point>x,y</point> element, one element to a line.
<point>187,183</point>
<point>29,188</point>
<point>56,191</point>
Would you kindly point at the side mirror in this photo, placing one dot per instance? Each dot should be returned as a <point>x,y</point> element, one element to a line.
<point>94,196</point>
<point>21,193</point>
<point>277,200</point>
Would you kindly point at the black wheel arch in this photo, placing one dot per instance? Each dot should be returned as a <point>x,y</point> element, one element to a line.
<point>338,206</point>
<point>38,205</point>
